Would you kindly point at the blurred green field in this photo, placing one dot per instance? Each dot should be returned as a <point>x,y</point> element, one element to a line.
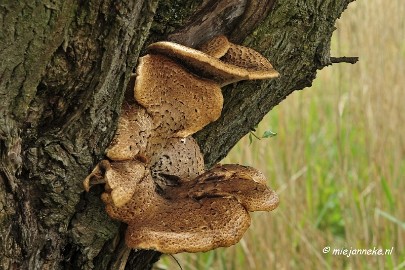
<point>337,162</point>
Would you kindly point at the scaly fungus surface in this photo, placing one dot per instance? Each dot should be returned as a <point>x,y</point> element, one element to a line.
<point>154,176</point>
<point>216,47</point>
<point>179,102</point>
<point>238,63</point>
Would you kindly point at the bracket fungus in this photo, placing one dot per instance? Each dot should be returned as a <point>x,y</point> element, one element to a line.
<point>154,173</point>
<point>167,90</point>
<point>133,131</point>
<point>237,64</point>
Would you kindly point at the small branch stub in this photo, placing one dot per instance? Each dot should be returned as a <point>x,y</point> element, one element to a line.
<point>344,59</point>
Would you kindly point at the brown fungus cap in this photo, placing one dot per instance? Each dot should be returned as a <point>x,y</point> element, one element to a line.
<point>250,59</point>
<point>178,161</point>
<point>246,184</point>
<point>179,102</point>
<point>133,131</point>
<point>190,226</point>
<point>144,196</point>
<point>96,177</point>
<point>174,225</point>
<point>207,212</point>
<point>216,47</point>
<point>119,186</point>
<point>217,69</point>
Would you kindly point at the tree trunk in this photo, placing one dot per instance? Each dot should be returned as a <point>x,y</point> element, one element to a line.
<point>63,73</point>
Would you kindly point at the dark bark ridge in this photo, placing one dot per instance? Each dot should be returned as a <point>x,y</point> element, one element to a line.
<point>62,79</point>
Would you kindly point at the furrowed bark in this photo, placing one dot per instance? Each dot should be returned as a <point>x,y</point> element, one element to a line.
<point>63,74</point>
<point>65,66</point>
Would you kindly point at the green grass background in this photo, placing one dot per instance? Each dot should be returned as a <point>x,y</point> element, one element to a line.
<point>337,162</point>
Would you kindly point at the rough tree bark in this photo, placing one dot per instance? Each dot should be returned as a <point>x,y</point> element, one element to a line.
<point>63,72</point>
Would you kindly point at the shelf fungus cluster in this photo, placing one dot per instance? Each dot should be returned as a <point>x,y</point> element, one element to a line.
<point>154,173</point>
